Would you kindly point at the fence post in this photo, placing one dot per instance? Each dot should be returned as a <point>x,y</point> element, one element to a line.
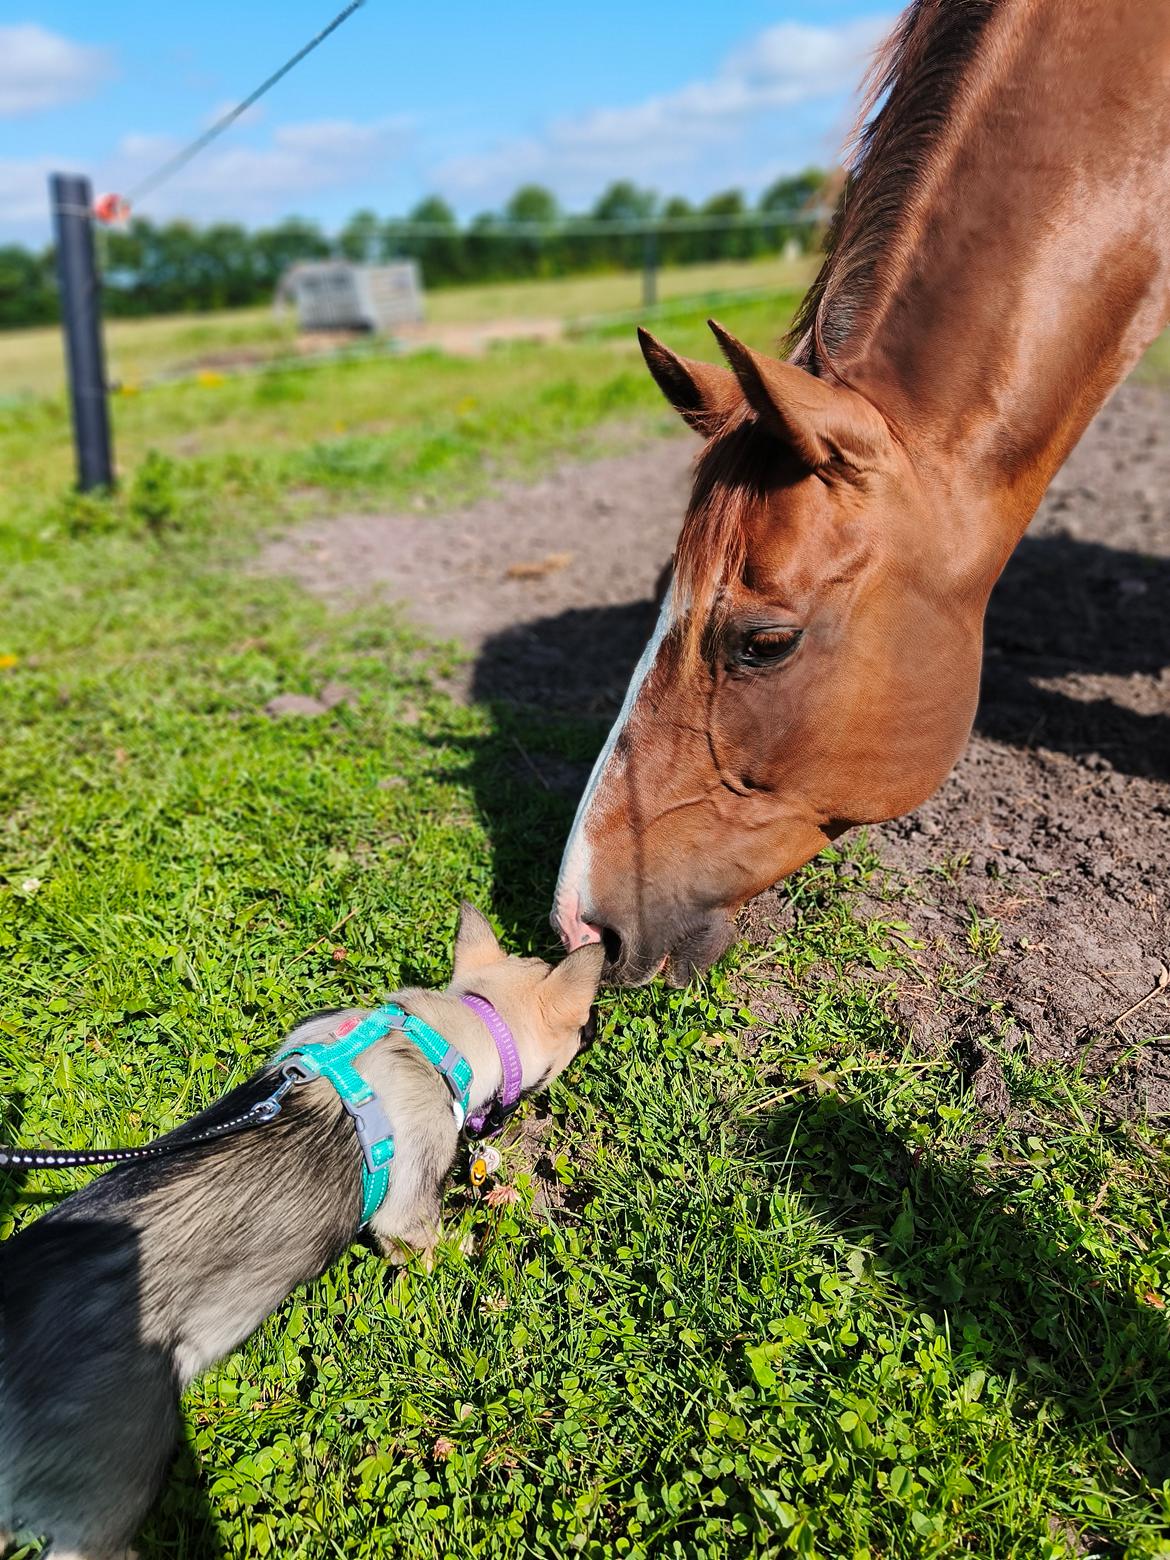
<point>72,202</point>
<point>649,268</point>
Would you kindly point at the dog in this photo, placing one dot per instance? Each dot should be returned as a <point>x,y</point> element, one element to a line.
<point>121,1295</point>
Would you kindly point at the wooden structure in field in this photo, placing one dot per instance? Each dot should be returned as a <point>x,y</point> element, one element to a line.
<point>342,295</point>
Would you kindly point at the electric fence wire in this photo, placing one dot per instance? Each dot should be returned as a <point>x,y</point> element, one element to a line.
<point>181,159</point>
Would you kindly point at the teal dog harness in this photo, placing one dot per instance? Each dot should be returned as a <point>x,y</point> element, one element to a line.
<point>333,1060</point>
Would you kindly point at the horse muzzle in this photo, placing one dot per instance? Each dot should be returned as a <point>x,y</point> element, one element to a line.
<point>682,944</point>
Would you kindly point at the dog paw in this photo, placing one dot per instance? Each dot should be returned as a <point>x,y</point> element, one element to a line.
<point>426,1246</point>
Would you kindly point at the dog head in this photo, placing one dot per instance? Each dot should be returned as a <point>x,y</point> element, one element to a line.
<point>548,1007</point>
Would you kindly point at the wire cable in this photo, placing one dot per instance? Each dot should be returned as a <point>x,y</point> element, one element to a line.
<point>181,159</point>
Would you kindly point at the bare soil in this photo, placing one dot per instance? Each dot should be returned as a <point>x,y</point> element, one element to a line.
<point>1036,879</point>
<point>470,339</point>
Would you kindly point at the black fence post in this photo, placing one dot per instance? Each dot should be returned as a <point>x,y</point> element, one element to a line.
<point>72,202</point>
<point>650,268</point>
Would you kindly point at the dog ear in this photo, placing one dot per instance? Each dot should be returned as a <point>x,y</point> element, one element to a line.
<point>475,942</point>
<point>569,989</point>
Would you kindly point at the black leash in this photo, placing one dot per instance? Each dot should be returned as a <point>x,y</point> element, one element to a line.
<point>258,1115</point>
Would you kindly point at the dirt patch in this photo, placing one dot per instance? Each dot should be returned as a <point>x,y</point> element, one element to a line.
<point>1037,876</point>
<point>1036,879</point>
<point>551,585</point>
<point>317,343</point>
<point>470,339</point>
<point>473,338</point>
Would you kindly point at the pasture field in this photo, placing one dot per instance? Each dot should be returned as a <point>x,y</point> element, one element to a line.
<point>773,1283</point>
<point>31,361</point>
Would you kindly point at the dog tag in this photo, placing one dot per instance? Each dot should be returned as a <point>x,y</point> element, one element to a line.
<point>484,1164</point>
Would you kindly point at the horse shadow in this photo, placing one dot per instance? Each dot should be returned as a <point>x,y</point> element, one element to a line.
<point>1089,617</point>
<point>1071,612</point>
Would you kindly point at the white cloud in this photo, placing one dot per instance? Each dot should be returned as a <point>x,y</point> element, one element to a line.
<point>40,69</point>
<point>780,67</point>
<point>250,181</point>
<point>256,181</point>
<point>337,138</point>
<point>147,148</point>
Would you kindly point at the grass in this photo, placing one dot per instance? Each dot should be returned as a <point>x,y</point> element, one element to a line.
<point>577,297</point>
<point>772,1284</point>
<point>365,429</point>
<point>31,361</point>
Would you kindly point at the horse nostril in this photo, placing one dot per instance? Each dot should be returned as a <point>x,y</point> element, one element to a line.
<point>613,945</point>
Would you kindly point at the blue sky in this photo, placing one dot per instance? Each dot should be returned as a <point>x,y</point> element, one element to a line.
<point>463,98</point>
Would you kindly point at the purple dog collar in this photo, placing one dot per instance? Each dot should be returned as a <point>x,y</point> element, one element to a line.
<point>509,1062</point>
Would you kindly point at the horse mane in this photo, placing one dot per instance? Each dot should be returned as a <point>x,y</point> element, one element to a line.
<point>915,77</point>
<point>907,101</point>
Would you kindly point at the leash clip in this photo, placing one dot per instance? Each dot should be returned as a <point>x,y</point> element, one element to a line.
<point>267,1110</point>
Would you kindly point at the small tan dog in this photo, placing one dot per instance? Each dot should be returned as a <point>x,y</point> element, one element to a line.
<point>114,1301</point>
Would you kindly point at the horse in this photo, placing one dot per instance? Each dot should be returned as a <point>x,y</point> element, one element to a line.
<point>999,262</point>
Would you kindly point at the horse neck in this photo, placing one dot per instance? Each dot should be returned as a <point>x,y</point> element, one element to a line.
<point>1032,264</point>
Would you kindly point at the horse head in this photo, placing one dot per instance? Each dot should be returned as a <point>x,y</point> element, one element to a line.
<point>815,664</point>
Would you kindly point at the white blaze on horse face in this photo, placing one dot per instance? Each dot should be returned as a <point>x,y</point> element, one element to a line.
<point>572,895</point>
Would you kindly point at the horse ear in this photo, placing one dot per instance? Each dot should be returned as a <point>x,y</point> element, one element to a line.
<point>821,423</point>
<point>703,394</point>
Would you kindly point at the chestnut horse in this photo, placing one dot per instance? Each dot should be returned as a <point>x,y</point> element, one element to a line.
<point>999,263</point>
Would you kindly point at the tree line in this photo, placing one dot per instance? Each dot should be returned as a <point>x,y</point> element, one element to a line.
<point>173,267</point>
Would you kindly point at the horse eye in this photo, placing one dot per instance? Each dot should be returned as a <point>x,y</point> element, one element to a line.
<point>766,646</point>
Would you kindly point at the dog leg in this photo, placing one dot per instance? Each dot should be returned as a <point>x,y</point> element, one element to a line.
<point>420,1239</point>
<point>408,1224</point>
<point>410,1215</point>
